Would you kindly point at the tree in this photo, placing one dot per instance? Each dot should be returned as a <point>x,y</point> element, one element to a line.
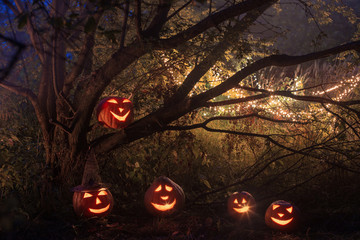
<point>70,86</point>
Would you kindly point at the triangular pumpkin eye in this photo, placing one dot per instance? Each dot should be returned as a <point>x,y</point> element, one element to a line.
<point>112,101</point>
<point>158,189</point>
<point>243,201</point>
<point>126,100</point>
<point>275,206</point>
<point>168,188</point>
<point>289,209</point>
<point>87,195</point>
<point>102,193</point>
<point>236,201</point>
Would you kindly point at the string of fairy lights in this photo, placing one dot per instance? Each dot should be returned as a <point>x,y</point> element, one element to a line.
<point>279,107</point>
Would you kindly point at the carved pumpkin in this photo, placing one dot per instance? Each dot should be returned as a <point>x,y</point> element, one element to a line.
<point>240,204</point>
<point>282,215</point>
<point>164,197</point>
<point>115,112</point>
<point>92,202</point>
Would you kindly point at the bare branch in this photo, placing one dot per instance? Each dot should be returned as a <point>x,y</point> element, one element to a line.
<point>124,23</point>
<point>179,10</point>
<point>83,56</point>
<point>34,35</point>
<point>138,20</point>
<point>159,19</point>
<point>246,179</point>
<point>231,118</point>
<point>62,126</point>
<point>11,6</point>
<point>306,98</point>
<point>342,119</point>
<point>4,72</point>
<point>231,35</point>
<point>302,183</point>
<point>273,60</point>
<point>236,101</point>
<point>267,137</point>
<point>212,21</point>
<point>25,92</point>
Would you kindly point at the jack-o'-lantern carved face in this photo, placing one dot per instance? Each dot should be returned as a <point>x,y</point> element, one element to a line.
<point>93,202</point>
<point>240,204</point>
<point>115,112</point>
<point>164,197</point>
<point>282,215</point>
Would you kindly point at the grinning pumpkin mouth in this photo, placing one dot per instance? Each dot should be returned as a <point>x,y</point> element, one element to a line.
<point>281,222</point>
<point>241,209</point>
<point>120,118</point>
<point>99,210</point>
<point>164,207</point>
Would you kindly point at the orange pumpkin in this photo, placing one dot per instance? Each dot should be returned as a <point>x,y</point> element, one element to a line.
<point>240,204</point>
<point>164,197</point>
<point>92,202</point>
<point>282,215</point>
<point>115,112</point>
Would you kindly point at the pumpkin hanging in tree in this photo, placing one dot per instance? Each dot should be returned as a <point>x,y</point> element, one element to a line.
<point>164,197</point>
<point>240,204</point>
<point>92,198</point>
<point>92,201</point>
<point>282,215</point>
<point>115,112</point>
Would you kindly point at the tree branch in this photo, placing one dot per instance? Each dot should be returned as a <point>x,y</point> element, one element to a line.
<point>231,36</point>
<point>236,101</point>
<point>11,6</point>
<point>34,36</point>
<point>4,72</point>
<point>342,119</point>
<point>229,118</point>
<point>274,60</point>
<point>179,10</point>
<point>157,120</point>
<point>306,98</point>
<point>124,24</point>
<point>211,21</point>
<point>25,92</point>
<point>83,56</point>
<point>159,19</point>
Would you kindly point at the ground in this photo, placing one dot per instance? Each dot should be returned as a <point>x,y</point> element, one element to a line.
<point>206,223</point>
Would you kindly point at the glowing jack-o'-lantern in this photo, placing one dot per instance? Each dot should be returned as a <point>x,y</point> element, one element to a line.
<point>240,204</point>
<point>115,112</point>
<point>164,197</point>
<point>282,215</point>
<point>92,202</point>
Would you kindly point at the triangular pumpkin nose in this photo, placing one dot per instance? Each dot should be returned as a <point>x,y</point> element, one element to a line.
<point>280,214</point>
<point>98,201</point>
